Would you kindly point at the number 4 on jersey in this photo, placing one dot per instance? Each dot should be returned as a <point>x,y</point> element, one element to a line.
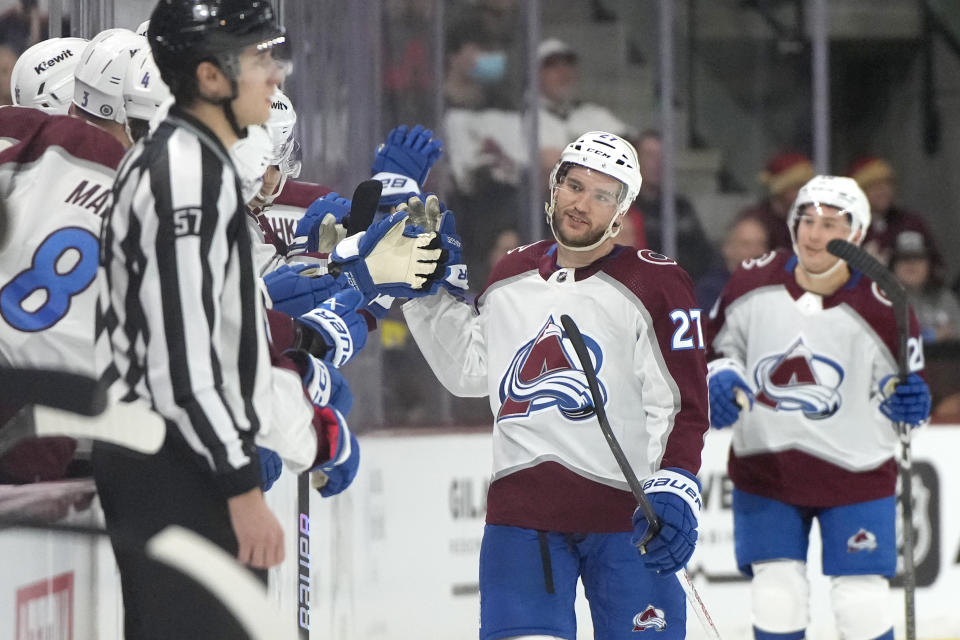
<point>688,333</point>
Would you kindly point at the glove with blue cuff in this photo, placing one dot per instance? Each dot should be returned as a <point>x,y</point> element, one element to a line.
<point>322,226</point>
<point>674,494</point>
<point>426,214</point>
<point>722,387</point>
<point>390,258</point>
<point>334,331</point>
<point>907,401</point>
<point>270,467</point>
<point>403,162</point>
<point>335,475</point>
<point>296,289</point>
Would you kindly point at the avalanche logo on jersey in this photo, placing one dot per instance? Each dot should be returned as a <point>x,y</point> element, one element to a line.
<point>543,375</point>
<point>650,618</point>
<point>862,540</point>
<point>798,380</point>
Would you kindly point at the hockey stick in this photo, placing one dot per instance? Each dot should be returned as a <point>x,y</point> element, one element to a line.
<point>693,596</point>
<point>363,207</point>
<point>862,261</point>
<point>71,405</point>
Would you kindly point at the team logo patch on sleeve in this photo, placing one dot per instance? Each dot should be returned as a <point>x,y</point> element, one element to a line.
<point>650,618</point>
<point>799,380</point>
<point>544,375</point>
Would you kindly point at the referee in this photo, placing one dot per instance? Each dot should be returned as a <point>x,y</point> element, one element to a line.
<point>182,314</point>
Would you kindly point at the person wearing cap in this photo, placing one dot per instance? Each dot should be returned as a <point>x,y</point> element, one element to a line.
<point>782,178</point>
<point>878,180</point>
<point>937,308</point>
<point>563,115</point>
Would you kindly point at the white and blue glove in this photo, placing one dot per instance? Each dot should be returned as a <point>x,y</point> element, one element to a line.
<point>389,258</point>
<point>674,494</point>
<point>324,384</point>
<point>335,475</point>
<point>426,214</point>
<point>723,387</point>
<point>907,402</point>
<point>403,162</point>
<point>322,226</point>
<point>270,467</point>
<point>334,331</point>
<point>296,289</point>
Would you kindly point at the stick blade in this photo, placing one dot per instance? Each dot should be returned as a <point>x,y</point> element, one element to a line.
<point>869,266</point>
<point>366,198</point>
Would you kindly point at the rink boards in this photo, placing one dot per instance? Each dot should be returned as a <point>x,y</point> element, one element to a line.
<point>395,557</point>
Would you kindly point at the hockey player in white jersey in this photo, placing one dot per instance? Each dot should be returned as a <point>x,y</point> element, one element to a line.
<point>809,347</point>
<point>558,507</point>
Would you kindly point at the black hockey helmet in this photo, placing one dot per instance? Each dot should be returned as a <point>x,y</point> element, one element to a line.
<point>184,33</point>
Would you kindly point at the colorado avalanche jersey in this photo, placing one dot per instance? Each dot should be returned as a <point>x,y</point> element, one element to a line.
<point>815,436</point>
<point>57,175</point>
<point>289,206</point>
<point>552,468</point>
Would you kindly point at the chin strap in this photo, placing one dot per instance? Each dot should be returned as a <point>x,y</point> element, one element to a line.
<point>611,232</point>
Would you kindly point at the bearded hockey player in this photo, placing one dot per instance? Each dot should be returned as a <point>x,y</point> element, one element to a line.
<point>809,346</point>
<point>558,508</point>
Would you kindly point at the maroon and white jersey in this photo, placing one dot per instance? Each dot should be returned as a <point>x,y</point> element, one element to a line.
<point>815,435</point>
<point>552,467</point>
<point>289,206</point>
<point>57,174</point>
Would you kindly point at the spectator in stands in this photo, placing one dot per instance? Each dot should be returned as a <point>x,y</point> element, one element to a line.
<point>484,138</point>
<point>785,173</point>
<point>694,251</point>
<point>877,179</point>
<point>408,76</point>
<point>937,308</point>
<point>745,238</point>
<point>563,115</point>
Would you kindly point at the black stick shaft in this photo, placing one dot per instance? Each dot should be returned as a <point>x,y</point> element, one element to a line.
<point>873,269</point>
<point>576,339</point>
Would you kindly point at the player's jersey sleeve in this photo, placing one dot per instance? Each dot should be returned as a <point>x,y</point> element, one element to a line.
<point>669,359</point>
<point>450,336</point>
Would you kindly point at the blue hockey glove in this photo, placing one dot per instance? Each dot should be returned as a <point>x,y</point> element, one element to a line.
<point>335,475</point>
<point>389,258</point>
<point>426,214</point>
<point>722,387</point>
<point>270,467</point>
<point>907,402</point>
<point>403,162</point>
<point>674,494</point>
<point>325,385</point>
<point>296,289</point>
<point>334,331</point>
<point>454,278</point>
<point>322,226</point>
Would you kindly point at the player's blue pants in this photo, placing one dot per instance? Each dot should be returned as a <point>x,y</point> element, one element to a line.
<point>528,584</point>
<point>858,539</point>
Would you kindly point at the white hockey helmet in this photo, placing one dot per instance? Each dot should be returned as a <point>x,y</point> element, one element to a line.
<point>142,28</point>
<point>42,77</point>
<point>605,153</point>
<point>251,157</point>
<point>834,191</point>
<point>103,66</point>
<point>143,88</point>
<point>280,125</point>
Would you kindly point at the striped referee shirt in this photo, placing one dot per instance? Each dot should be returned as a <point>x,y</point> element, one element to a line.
<point>180,303</point>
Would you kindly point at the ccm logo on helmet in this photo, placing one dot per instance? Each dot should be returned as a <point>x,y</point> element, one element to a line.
<point>46,64</point>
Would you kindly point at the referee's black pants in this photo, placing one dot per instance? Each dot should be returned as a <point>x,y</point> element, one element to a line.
<point>140,496</point>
